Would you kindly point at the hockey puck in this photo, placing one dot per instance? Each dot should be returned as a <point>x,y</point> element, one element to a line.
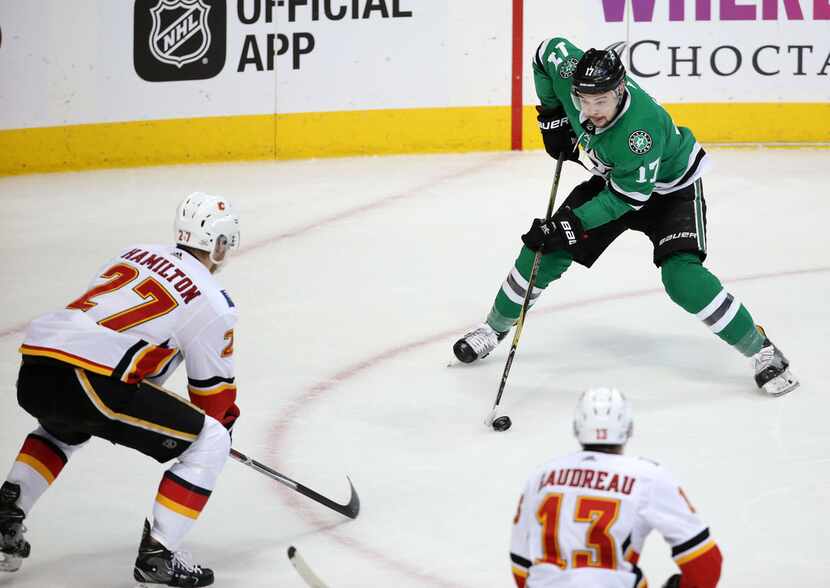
<point>502,423</point>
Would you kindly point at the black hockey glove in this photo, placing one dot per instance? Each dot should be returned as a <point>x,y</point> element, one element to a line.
<point>557,133</point>
<point>673,582</point>
<point>583,192</point>
<point>562,231</point>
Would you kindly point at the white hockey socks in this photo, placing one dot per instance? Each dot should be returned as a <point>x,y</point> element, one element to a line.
<point>186,487</point>
<point>39,462</point>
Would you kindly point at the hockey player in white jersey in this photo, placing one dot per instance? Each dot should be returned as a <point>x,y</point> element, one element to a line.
<point>583,518</point>
<point>96,367</point>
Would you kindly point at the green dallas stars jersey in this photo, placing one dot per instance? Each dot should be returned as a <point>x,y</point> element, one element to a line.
<point>640,152</point>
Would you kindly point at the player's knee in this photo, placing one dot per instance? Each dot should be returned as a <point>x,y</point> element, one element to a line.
<point>552,266</point>
<point>677,273</point>
<point>211,448</point>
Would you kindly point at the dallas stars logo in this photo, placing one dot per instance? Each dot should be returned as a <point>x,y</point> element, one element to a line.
<point>640,142</point>
<point>568,68</point>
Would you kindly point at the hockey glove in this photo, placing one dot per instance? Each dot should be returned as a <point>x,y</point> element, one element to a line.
<point>583,192</point>
<point>562,231</point>
<point>673,582</point>
<point>557,133</point>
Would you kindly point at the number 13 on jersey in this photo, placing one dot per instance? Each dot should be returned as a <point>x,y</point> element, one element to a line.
<point>599,513</point>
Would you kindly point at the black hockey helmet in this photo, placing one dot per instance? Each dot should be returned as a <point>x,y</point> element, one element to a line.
<point>598,71</point>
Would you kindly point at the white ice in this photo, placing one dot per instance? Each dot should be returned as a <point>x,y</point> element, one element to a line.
<point>355,278</point>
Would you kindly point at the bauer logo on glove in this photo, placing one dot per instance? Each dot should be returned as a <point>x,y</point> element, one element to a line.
<point>556,123</point>
<point>562,231</point>
<point>557,133</point>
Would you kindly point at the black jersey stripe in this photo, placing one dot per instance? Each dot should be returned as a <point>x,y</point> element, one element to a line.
<point>693,168</point>
<point>520,561</point>
<point>166,366</point>
<point>127,359</point>
<point>187,485</point>
<point>638,576</point>
<point>719,311</point>
<point>626,543</point>
<point>210,382</point>
<point>689,172</point>
<point>48,442</point>
<point>693,542</point>
<point>537,57</point>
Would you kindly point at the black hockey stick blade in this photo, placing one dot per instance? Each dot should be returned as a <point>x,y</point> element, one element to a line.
<point>351,509</point>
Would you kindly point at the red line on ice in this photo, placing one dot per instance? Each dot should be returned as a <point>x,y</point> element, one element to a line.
<point>319,390</point>
<point>338,216</point>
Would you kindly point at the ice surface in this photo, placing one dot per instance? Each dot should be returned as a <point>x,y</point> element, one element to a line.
<point>354,279</point>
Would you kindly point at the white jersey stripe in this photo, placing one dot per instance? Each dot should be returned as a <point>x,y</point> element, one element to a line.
<point>511,294</point>
<point>638,196</point>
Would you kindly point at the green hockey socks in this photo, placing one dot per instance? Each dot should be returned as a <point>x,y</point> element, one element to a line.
<point>511,296</point>
<point>698,291</point>
<point>693,287</point>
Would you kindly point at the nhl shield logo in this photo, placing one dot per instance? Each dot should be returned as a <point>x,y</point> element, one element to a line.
<point>180,33</point>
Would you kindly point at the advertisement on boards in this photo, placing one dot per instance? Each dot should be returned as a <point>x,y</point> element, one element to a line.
<point>708,50</point>
<point>315,54</point>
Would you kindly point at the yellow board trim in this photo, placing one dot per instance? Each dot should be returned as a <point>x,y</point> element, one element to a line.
<point>360,132</point>
<point>138,143</point>
<point>38,466</point>
<point>387,132</point>
<point>176,507</point>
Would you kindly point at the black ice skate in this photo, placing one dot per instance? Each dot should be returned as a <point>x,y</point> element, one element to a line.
<point>13,548</point>
<point>772,372</point>
<point>157,565</point>
<point>477,344</point>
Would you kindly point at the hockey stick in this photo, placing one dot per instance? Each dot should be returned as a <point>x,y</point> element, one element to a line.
<point>308,576</point>
<point>350,509</point>
<point>503,422</point>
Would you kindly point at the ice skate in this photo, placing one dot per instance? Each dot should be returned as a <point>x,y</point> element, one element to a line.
<point>772,372</point>
<point>13,548</point>
<point>157,565</point>
<point>477,344</point>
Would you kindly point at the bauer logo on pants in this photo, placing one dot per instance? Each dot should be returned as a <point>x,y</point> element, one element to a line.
<point>177,40</point>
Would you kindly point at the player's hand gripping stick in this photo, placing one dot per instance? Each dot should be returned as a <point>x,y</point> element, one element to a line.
<point>497,420</point>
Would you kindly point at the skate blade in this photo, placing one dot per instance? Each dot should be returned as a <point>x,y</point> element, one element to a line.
<point>781,385</point>
<point>10,563</point>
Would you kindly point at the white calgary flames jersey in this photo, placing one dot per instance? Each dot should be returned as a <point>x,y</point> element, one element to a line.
<point>583,519</point>
<point>146,311</point>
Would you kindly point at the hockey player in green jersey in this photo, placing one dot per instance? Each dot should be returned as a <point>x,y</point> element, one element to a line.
<point>646,177</point>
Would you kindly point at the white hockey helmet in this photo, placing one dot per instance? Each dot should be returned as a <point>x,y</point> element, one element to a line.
<point>207,223</point>
<point>603,417</point>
